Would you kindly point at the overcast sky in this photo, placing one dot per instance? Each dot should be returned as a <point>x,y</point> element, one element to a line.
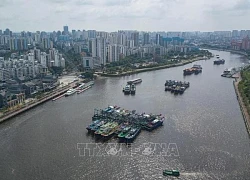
<point>113,15</point>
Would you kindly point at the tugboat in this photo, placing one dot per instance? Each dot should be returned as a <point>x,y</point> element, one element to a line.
<point>133,89</point>
<point>175,173</point>
<point>132,134</point>
<point>127,89</point>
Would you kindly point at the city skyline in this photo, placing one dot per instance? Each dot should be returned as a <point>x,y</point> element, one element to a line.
<point>113,15</point>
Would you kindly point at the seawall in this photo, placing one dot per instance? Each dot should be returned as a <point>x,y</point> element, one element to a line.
<point>12,114</point>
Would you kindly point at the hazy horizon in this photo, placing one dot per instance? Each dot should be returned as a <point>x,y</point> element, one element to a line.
<point>113,15</point>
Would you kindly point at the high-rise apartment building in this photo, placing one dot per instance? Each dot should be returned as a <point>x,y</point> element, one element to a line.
<point>135,37</point>
<point>145,38</point>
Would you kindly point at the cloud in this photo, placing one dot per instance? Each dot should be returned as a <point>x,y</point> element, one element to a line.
<point>111,15</point>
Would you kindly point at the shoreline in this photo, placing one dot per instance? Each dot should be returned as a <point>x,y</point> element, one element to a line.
<point>242,105</point>
<point>229,50</point>
<point>151,68</point>
<point>27,107</point>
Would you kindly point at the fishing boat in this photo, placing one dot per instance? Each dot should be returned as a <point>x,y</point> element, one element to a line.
<point>173,88</point>
<point>124,133</point>
<point>135,81</point>
<point>130,137</point>
<point>97,126</point>
<point>171,173</point>
<point>197,68</point>
<point>92,125</point>
<point>102,129</point>
<point>177,90</point>
<point>107,133</point>
<point>188,71</point>
<point>182,90</point>
<point>219,61</point>
<point>127,89</point>
<point>70,92</point>
<point>154,124</point>
<point>133,88</point>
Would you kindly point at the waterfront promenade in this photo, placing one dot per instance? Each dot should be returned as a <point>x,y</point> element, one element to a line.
<point>54,93</point>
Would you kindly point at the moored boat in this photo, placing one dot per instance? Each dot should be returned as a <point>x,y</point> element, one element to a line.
<point>109,132</point>
<point>154,124</point>
<point>92,125</point>
<point>188,71</point>
<point>127,89</point>
<point>197,68</point>
<point>130,137</point>
<point>124,133</point>
<point>135,81</point>
<point>182,90</point>
<point>132,89</point>
<point>219,61</point>
<point>228,72</point>
<point>70,92</point>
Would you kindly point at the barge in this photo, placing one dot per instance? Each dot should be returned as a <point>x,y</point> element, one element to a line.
<point>135,81</point>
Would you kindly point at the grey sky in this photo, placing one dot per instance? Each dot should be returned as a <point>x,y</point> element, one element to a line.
<point>112,15</point>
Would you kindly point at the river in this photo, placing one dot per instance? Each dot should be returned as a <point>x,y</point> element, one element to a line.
<point>204,128</point>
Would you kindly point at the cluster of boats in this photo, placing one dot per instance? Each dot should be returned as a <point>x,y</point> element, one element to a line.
<point>196,69</point>
<point>123,124</point>
<point>130,88</point>
<point>176,87</point>
<point>81,88</point>
<point>219,61</point>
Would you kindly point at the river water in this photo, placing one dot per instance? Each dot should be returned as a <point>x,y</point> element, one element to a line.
<point>204,131</point>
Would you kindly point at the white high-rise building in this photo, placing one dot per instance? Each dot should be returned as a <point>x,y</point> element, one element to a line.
<point>99,50</point>
<point>57,60</point>
<point>43,59</point>
<point>112,53</point>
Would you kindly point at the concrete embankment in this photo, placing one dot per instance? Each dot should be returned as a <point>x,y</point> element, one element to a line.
<point>45,98</point>
<point>243,108</point>
<point>149,69</point>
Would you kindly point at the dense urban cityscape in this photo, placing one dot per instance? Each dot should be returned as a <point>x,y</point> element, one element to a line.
<point>32,61</point>
<point>34,64</point>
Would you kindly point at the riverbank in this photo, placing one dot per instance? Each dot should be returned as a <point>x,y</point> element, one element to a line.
<point>57,92</point>
<point>243,107</point>
<point>151,68</point>
<point>229,50</point>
